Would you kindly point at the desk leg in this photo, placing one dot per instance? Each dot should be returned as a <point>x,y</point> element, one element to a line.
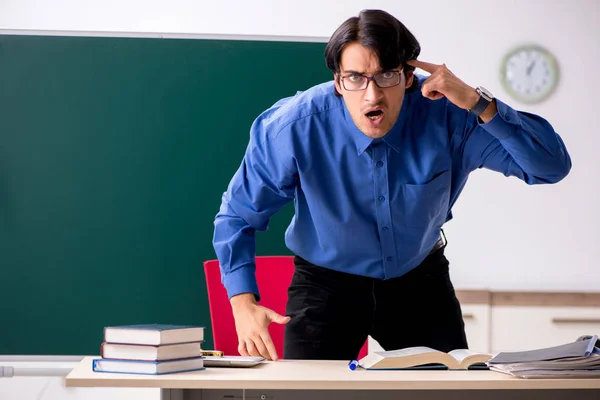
<point>180,394</point>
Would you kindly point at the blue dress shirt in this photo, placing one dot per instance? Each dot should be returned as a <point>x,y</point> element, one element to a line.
<point>371,207</point>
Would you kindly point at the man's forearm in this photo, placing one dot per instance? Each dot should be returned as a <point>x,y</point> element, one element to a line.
<point>234,243</point>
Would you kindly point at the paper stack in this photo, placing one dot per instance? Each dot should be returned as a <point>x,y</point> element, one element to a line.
<point>579,359</point>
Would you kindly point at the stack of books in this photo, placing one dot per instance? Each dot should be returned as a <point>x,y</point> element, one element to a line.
<point>578,359</point>
<point>150,349</point>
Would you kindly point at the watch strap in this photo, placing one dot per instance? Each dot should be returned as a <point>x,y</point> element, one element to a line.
<point>481,104</point>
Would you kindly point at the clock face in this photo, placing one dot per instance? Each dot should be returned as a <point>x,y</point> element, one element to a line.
<point>529,74</point>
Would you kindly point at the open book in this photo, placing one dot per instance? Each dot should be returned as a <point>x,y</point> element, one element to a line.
<point>424,357</point>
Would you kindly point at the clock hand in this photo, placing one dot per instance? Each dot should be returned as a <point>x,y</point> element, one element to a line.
<point>530,67</point>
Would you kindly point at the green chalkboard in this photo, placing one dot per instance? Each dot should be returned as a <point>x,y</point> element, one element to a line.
<point>114,154</point>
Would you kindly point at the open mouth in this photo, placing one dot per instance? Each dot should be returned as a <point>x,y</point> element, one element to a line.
<point>374,115</point>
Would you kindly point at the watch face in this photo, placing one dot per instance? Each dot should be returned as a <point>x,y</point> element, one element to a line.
<point>529,74</point>
<point>485,93</point>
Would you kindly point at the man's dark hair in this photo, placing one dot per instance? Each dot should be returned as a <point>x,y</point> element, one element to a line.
<point>379,31</point>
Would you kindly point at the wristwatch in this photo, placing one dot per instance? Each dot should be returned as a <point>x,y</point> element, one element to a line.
<point>485,98</point>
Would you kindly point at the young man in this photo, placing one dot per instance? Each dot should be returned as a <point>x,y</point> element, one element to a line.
<point>374,162</point>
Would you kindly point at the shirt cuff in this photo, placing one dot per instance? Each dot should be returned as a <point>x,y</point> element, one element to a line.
<point>242,280</point>
<point>504,123</point>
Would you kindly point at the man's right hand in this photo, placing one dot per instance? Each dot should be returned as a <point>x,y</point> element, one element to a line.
<point>251,323</point>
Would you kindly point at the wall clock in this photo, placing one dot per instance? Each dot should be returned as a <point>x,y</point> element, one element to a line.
<point>529,73</point>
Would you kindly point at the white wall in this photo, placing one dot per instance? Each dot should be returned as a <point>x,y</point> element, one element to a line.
<point>506,235</point>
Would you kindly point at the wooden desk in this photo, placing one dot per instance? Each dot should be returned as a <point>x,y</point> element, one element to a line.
<point>332,379</point>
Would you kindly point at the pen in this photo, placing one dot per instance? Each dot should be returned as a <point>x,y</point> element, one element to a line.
<point>353,364</point>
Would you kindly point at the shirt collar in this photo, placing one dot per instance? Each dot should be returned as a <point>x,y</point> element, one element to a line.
<point>392,138</point>
<point>361,140</point>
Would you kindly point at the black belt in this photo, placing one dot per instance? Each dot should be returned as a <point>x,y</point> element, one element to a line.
<point>440,244</point>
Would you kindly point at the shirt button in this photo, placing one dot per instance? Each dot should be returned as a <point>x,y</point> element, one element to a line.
<point>389,258</point>
<point>385,229</point>
<point>381,198</point>
<point>379,164</point>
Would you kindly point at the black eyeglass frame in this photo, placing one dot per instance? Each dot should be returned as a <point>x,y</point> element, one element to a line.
<point>372,78</point>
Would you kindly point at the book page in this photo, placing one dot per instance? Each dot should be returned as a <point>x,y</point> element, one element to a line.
<point>466,357</point>
<point>409,351</point>
<point>408,358</point>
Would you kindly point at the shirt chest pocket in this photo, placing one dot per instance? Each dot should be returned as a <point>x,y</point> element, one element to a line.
<point>422,205</point>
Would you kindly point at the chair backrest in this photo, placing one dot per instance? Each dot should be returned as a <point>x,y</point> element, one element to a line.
<point>273,276</point>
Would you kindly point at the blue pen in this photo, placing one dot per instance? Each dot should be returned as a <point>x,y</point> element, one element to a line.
<point>353,364</point>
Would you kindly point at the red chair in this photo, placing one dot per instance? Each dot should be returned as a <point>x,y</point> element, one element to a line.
<point>274,276</point>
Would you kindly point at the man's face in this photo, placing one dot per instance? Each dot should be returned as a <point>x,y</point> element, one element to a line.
<point>374,110</point>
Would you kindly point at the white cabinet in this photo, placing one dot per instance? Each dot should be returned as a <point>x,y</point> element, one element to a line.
<point>477,326</point>
<point>515,328</point>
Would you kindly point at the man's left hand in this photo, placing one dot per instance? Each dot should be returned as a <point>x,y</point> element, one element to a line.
<point>443,83</point>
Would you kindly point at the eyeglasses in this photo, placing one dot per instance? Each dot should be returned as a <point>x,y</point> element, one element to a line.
<point>386,79</point>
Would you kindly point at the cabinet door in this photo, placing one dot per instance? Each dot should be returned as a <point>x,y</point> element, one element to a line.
<point>516,328</point>
<point>477,326</point>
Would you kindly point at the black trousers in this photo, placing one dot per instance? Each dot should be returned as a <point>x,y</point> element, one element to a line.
<point>332,312</point>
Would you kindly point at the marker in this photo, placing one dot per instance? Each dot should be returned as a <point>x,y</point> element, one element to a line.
<point>353,364</point>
